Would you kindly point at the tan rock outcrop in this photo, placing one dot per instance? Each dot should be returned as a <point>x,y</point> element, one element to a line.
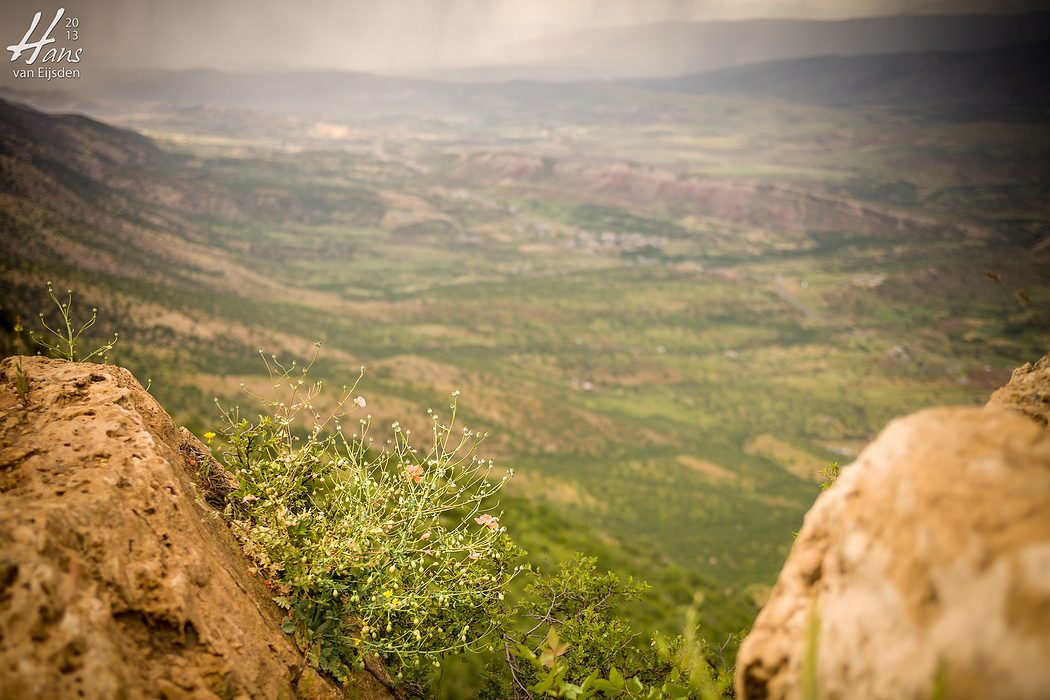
<point>1028,391</point>
<point>117,579</point>
<point>926,565</point>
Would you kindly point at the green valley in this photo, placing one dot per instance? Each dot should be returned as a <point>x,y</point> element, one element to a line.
<point>669,310</point>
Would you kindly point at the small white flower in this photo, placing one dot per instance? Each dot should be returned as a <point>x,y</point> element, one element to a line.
<point>360,401</point>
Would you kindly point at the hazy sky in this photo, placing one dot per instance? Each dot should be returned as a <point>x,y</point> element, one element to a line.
<point>380,34</point>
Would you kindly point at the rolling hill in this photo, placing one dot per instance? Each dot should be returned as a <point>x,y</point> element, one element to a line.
<point>1006,78</point>
<point>678,48</point>
<point>192,264</point>
<point>670,310</point>
<point>1013,76</point>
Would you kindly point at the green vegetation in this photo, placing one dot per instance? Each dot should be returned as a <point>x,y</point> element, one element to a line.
<point>386,552</point>
<point>828,475</point>
<point>66,343</point>
<point>576,646</point>
<point>21,383</point>
<point>670,311</point>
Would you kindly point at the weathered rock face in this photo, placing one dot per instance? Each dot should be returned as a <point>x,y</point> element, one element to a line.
<point>926,564</point>
<point>117,579</point>
<point>1028,391</point>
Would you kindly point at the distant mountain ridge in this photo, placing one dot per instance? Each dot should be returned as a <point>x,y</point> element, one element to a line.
<point>1017,74</point>
<point>670,49</point>
<point>1003,77</point>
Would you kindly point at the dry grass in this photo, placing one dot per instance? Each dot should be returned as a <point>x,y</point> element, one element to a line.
<point>712,472</point>
<point>790,458</point>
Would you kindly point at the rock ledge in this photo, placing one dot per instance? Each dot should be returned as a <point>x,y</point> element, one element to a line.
<point>926,564</point>
<point>117,579</point>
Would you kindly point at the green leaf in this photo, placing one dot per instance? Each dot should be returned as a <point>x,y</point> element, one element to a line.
<point>571,691</point>
<point>675,692</point>
<point>544,685</point>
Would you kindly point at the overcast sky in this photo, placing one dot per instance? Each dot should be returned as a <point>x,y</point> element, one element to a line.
<point>381,35</point>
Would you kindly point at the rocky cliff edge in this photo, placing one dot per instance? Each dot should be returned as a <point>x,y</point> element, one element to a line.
<point>117,578</point>
<point>924,571</point>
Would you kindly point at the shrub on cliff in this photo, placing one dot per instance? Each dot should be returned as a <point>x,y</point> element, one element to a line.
<point>390,551</point>
<point>575,644</point>
<point>394,551</point>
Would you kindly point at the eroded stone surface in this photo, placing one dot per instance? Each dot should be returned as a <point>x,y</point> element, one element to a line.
<point>929,558</point>
<point>1028,391</point>
<point>117,579</point>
